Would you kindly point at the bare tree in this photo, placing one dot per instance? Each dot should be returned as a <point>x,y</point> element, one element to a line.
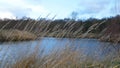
<point>74,15</point>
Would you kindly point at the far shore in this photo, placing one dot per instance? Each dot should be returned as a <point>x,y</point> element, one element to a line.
<point>17,35</point>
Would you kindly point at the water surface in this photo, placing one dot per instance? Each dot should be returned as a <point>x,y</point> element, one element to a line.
<point>89,47</point>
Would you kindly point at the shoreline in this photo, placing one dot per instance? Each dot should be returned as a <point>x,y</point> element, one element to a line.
<point>17,35</point>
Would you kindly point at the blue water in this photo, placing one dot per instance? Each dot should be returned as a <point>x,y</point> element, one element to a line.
<point>89,47</point>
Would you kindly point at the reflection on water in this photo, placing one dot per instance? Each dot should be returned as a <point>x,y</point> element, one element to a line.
<point>89,47</point>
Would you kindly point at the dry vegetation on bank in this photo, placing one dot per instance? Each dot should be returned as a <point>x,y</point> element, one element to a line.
<point>32,29</point>
<point>16,35</point>
<point>91,28</point>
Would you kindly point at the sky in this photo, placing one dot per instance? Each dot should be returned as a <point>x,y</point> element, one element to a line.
<point>59,9</point>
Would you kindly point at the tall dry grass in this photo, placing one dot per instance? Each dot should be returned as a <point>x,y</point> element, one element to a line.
<point>67,58</point>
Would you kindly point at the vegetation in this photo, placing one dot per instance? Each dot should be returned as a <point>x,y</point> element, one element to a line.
<point>16,35</point>
<point>65,58</point>
<point>71,28</point>
<point>29,29</point>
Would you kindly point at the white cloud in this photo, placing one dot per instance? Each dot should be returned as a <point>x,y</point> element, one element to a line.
<point>4,14</point>
<point>98,9</point>
<point>29,8</point>
<point>20,8</point>
<point>37,11</point>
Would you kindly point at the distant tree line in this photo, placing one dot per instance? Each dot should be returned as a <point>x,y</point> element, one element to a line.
<point>111,24</point>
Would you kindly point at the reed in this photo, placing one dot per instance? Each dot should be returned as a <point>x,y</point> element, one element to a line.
<point>65,58</point>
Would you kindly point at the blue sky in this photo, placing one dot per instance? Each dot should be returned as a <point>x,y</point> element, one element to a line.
<point>60,8</point>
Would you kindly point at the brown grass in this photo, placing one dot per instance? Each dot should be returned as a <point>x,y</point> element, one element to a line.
<point>66,58</point>
<point>16,35</point>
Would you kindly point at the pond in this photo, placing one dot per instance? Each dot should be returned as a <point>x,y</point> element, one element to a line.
<point>90,47</point>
